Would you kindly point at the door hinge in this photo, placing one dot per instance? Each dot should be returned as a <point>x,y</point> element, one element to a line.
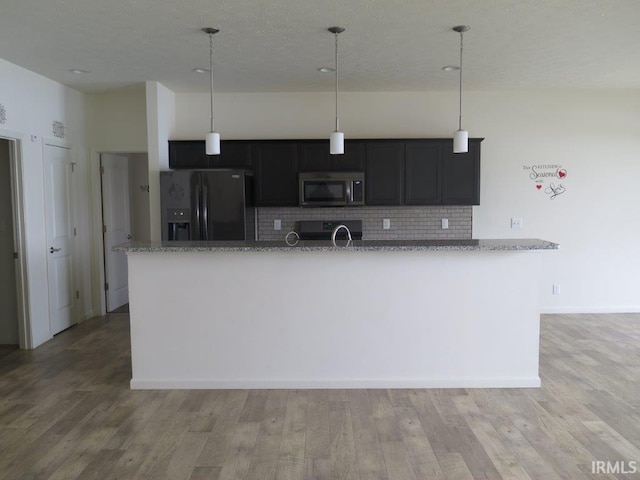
<point>77,294</point>
<point>101,170</point>
<point>104,229</point>
<point>73,167</point>
<point>75,232</point>
<point>15,255</point>
<point>106,287</point>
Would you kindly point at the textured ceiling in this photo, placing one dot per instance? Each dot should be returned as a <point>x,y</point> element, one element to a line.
<point>277,45</point>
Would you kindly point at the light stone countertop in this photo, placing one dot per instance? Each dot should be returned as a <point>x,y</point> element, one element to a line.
<point>356,246</point>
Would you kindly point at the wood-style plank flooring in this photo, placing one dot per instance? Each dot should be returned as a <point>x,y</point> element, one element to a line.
<point>66,412</point>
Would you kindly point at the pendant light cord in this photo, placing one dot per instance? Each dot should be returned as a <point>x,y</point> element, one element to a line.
<point>211,74</point>
<point>337,118</point>
<point>460,94</point>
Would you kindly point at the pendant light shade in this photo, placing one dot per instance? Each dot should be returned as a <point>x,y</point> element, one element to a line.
<point>336,143</point>
<point>213,137</point>
<point>213,143</point>
<point>336,140</point>
<point>461,141</point>
<point>461,137</point>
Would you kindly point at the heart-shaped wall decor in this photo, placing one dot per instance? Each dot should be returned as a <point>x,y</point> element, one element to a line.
<point>562,173</point>
<point>538,186</point>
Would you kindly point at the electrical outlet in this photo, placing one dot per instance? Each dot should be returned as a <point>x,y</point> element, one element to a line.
<point>445,223</point>
<point>386,223</point>
<point>516,223</point>
<point>556,289</point>
<point>277,224</point>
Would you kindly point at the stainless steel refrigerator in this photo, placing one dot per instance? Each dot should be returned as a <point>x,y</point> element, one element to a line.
<point>207,205</point>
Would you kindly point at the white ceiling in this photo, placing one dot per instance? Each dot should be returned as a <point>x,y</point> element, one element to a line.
<point>277,45</point>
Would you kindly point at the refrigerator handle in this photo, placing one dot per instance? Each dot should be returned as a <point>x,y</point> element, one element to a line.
<point>198,225</point>
<point>205,212</point>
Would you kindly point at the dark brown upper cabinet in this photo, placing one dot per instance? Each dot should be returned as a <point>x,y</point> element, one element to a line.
<point>461,175</point>
<point>422,173</point>
<point>192,154</point>
<point>384,172</point>
<point>276,171</point>
<point>314,156</point>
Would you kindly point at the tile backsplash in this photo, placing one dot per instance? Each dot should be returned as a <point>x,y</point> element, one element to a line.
<point>407,222</point>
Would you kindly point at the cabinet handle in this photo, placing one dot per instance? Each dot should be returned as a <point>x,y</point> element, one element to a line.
<point>54,250</point>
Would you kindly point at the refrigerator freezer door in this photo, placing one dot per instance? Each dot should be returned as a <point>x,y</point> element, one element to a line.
<point>175,199</point>
<point>223,204</point>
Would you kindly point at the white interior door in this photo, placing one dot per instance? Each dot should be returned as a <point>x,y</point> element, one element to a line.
<point>60,235</point>
<point>117,226</point>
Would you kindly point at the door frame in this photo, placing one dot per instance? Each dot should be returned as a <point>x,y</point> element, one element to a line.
<point>98,276</point>
<point>16,165</point>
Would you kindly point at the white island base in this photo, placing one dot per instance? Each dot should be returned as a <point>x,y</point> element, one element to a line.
<point>334,319</point>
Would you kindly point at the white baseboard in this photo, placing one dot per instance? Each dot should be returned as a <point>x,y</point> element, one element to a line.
<point>180,384</point>
<point>559,310</point>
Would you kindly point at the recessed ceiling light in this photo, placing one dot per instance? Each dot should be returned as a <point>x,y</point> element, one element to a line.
<point>326,69</point>
<point>201,70</point>
<point>451,68</point>
<point>78,71</point>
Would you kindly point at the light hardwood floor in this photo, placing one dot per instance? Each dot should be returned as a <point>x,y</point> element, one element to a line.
<point>66,412</point>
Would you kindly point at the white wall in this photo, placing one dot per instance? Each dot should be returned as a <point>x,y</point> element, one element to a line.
<point>117,122</point>
<point>8,299</point>
<point>593,134</point>
<point>32,104</point>
<point>160,128</point>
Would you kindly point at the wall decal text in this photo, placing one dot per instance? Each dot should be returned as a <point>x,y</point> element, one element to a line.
<point>549,179</point>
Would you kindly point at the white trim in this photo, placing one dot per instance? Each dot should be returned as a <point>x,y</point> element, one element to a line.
<point>507,382</point>
<point>578,310</point>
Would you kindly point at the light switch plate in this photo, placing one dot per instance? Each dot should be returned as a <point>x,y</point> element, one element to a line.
<point>277,224</point>
<point>445,223</point>
<point>386,223</point>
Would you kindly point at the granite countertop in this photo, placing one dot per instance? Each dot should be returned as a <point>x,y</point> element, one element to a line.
<point>357,245</point>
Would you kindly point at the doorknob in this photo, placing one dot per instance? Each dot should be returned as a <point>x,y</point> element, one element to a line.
<point>54,250</point>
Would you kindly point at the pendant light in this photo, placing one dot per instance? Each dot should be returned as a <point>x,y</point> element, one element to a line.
<point>213,137</point>
<point>336,142</point>
<point>461,137</point>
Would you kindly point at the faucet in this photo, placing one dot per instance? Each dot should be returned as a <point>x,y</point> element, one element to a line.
<point>335,232</point>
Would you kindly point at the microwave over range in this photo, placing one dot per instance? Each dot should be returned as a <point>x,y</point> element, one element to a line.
<point>331,189</point>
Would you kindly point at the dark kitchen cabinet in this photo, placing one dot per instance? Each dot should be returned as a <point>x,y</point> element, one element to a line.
<point>192,154</point>
<point>314,156</point>
<point>352,160</point>
<point>188,154</point>
<point>461,175</point>
<point>422,173</point>
<point>384,168</point>
<point>275,166</point>
<point>233,154</point>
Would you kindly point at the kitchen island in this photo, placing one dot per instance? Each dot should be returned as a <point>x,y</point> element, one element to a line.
<point>374,314</point>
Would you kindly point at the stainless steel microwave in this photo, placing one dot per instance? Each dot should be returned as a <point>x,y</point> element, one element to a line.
<point>331,189</point>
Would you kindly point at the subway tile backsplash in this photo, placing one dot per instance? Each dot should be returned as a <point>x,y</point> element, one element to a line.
<point>407,222</point>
